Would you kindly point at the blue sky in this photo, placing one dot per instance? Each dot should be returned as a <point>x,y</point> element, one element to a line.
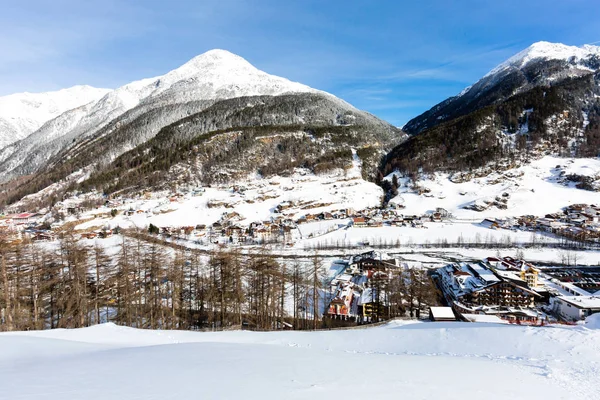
<point>394,59</point>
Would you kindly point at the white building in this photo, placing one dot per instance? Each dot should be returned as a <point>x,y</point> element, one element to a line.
<point>576,308</point>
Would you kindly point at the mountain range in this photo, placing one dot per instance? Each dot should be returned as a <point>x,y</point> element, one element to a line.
<point>217,99</point>
<point>217,118</point>
<point>22,114</point>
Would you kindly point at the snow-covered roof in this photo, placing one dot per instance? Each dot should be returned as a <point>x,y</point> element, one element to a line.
<point>582,301</point>
<point>442,313</point>
<point>484,318</point>
<point>486,274</point>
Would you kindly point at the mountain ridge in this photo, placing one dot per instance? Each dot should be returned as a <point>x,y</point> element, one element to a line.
<point>23,113</point>
<point>542,63</point>
<point>214,75</point>
<point>543,100</point>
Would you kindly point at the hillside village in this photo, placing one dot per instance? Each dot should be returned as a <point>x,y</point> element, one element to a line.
<point>288,221</point>
<point>577,222</point>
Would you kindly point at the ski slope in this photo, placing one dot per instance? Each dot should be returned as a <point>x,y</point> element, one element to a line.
<point>397,360</point>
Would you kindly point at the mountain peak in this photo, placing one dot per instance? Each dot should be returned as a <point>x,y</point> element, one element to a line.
<point>215,59</point>
<point>547,51</point>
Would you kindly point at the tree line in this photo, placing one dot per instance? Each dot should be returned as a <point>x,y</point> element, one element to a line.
<point>144,284</point>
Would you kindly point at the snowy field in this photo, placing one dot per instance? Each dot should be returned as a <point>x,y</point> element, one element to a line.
<point>398,360</point>
<point>431,233</point>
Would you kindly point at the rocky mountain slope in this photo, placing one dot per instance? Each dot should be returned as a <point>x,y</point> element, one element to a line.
<point>23,113</point>
<point>544,100</point>
<point>216,114</point>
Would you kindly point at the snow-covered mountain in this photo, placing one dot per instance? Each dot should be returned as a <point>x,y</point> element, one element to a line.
<point>214,75</point>
<point>543,100</point>
<point>584,57</point>
<point>214,92</point>
<point>541,64</point>
<point>23,113</point>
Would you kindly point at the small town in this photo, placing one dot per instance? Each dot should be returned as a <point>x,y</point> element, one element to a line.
<point>492,290</point>
<point>578,222</point>
<point>289,222</point>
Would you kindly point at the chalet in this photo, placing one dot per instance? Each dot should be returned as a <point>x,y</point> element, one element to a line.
<point>372,260</point>
<point>374,223</point>
<point>105,234</point>
<point>261,234</point>
<point>301,220</point>
<point>442,212</point>
<point>234,230</point>
<point>591,217</point>
<point>548,225</point>
<point>44,236</point>
<point>417,222</point>
<point>74,210</point>
<point>24,218</point>
<point>343,301</point>
<point>359,222</point>
<point>436,217</point>
<point>490,223</point>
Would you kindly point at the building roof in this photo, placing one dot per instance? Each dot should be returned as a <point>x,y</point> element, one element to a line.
<point>582,301</point>
<point>486,274</point>
<point>442,313</point>
<point>494,319</point>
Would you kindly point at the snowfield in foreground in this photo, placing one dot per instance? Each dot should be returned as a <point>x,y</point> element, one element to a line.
<point>398,360</point>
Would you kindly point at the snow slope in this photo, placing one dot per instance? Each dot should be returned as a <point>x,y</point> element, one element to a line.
<point>398,360</point>
<point>537,188</point>
<point>23,113</point>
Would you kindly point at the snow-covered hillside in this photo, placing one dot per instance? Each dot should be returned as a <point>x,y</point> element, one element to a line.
<point>398,360</point>
<point>23,113</point>
<point>538,188</point>
<point>255,199</point>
